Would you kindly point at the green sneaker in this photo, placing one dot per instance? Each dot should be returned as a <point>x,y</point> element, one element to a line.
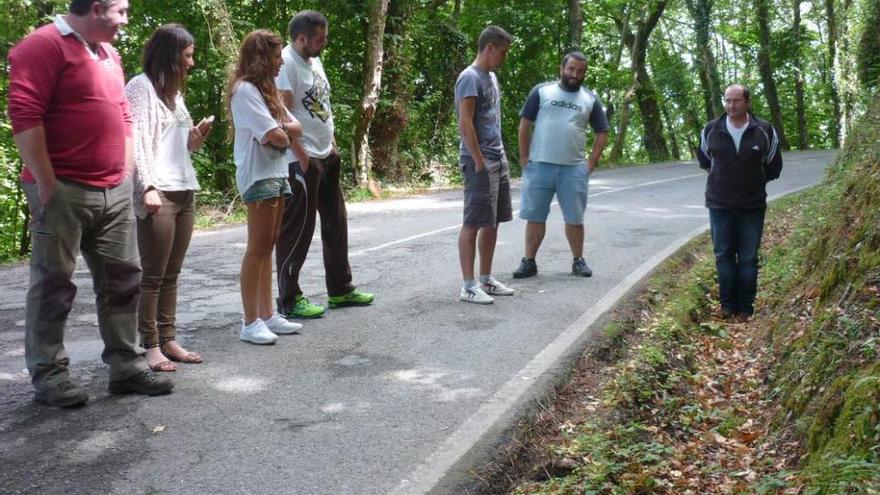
<point>305,309</point>
<point>353,298</point>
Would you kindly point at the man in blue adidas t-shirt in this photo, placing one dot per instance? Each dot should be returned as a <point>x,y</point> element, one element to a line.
<point>552,143</point>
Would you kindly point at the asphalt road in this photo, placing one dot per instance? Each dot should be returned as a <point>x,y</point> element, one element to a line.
<point>397,397</point>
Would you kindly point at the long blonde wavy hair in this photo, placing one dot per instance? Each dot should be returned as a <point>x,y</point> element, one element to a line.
<point>255,66</point>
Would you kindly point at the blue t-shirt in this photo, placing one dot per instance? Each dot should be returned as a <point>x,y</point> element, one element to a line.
<point>473,82</point>
<point>561,118</point>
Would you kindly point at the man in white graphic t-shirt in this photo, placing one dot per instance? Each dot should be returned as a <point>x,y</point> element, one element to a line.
<point>552,149</point>
<point>305,91</point>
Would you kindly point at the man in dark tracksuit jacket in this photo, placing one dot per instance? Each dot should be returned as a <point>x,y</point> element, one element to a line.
<point>741,154</point>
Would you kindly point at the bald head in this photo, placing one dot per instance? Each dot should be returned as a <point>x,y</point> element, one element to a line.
<point>741,89</point>
<point>737,102</point>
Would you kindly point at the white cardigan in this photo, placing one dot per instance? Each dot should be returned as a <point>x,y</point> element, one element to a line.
<point>161,156</point>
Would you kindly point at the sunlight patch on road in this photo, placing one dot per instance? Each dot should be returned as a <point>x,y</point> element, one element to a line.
<point>98,444</point>
<point>418,203</point>
<point>242,385</point>
<point>429,381</point>
<point>15,352</point>
<point>22,376</point>
<point>333,408</point>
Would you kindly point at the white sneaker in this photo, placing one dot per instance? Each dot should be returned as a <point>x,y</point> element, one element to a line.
<point>475,295</point>
<point>281,326</point>
<point>496,288</point>
<point>257,333</point>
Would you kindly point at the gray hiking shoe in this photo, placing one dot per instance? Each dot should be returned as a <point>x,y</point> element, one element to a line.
<point>579,268</point>
<point>64,394</point>
<point>527,268</point>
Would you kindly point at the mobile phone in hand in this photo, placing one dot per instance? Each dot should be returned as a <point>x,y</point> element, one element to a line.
<point>205,124</point>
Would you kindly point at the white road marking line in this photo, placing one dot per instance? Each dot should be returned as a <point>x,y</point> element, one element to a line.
<point>364,251</point>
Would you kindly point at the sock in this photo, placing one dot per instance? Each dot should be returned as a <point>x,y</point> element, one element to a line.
<point>484,279</point>
<point>470,284</point>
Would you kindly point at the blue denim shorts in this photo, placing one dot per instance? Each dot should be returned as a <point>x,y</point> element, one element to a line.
<point>540,181</point>
<point>266,189</point>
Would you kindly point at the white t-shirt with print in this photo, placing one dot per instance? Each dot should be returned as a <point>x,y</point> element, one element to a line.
<point>252,121</point>
<point>311,100</point>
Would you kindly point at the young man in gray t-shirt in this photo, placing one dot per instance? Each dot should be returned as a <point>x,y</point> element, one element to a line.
<point>483,166</point>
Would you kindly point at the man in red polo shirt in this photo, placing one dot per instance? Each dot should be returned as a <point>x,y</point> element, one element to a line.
<point>72,127</point>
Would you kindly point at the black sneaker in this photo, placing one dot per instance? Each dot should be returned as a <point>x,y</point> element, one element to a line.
<point>64,394</point>
<point>527,268</point>
<point>579,268</point>
<point>145,382</point>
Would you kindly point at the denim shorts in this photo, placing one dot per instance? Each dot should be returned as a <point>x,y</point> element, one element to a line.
<point>541,180</point>
<point>266,189</point>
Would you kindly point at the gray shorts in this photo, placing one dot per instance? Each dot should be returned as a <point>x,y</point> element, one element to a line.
<point>486,194</point>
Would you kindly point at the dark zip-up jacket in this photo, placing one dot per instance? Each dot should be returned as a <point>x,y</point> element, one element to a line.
<point>739,180</point>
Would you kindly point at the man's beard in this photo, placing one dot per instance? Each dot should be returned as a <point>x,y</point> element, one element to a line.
<point>571,83</point>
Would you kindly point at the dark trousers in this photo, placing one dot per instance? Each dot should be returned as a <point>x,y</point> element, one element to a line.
<point>736,236</point>
<point>100,224</point>
<point>318,191</point>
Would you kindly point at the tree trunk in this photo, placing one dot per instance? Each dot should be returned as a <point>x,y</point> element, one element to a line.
<point>834,126</point>
<point>673,141</point>
<point>456,44</point>
<point>223,40</point>
<point>372,84</point>
<point>646,96</point>
<point>701,13</point>
<point>803,139</point>
<point>391,120</point>
<point>765,67</point>
<point>846,70</point>
<point>575,25</point>
<point>649,108</point>
<point>622,124</point>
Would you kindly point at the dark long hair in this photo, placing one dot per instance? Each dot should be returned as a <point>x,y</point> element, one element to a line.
<point>162,61</point>
<point>254,65</point>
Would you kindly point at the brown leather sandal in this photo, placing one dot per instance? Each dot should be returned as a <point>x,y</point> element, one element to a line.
<point>188,358</point>
<point>164,366</point>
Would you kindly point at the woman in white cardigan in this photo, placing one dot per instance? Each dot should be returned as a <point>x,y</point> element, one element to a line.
<point>164,187</point>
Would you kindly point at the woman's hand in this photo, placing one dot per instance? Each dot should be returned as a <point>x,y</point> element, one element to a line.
<point>196,138</point>
<point>152,201</point>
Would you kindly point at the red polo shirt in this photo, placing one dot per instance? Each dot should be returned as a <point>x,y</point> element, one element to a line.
<point>78,98</point>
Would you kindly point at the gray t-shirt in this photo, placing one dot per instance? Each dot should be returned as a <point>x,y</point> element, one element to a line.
<point>561,117</point>
<point>473,82</point>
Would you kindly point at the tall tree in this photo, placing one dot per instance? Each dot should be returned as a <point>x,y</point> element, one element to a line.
<point>575,25</point>
<point>701,13</point>
<point>765,67</point>
<point>834,125</point>
<point>869,48</point>
<point>391,118</point>
<point>372,85</point>
<point>803,138</point>
<point>641,86</point>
